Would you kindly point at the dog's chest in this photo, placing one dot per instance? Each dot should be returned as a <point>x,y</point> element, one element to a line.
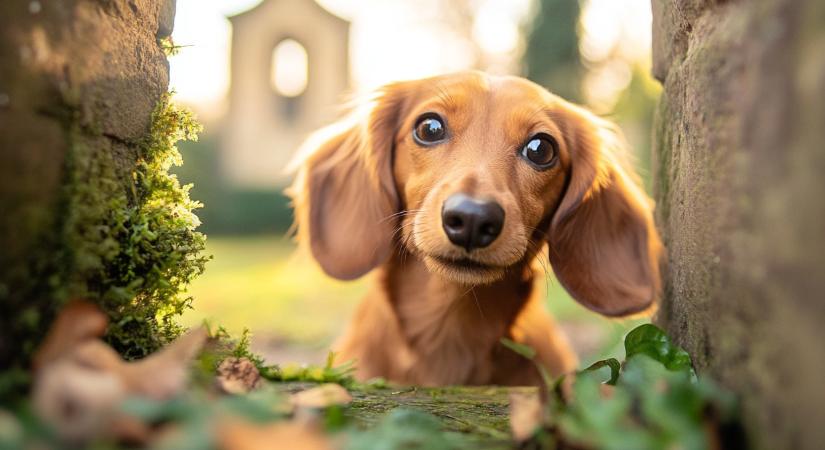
<point>452,337</point>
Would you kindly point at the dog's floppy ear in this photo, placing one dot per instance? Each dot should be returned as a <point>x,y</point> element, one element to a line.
<point>603,244</point>
<point>344,194</point>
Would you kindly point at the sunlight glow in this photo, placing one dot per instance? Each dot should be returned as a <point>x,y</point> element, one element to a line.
<point>389,41</point>
<point>406,39</point>
<point>615,36</point>
<point>494,29</point>
<point>290,68</point>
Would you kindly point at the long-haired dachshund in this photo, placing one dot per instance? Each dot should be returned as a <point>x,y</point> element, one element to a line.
<point>449,188</point>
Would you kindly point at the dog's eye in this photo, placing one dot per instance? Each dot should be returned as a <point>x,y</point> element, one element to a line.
<point>541,151</point>
<point>429,129</point>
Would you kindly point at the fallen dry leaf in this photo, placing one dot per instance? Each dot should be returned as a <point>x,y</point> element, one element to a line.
<point>526,415</point>
<point>237,376</point>
<point>81,381</point>
<point>237,435</point>
<point>75,398</point>
<point>77,322</point>
<point>165,374</point>
<point>322,396</point>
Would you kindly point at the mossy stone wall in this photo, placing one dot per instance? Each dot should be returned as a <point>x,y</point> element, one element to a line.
<point>79,82</point>
<point>740,184</point>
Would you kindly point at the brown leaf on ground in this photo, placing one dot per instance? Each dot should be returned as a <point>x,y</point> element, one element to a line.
<point>77,322</point>
<point>77,394</point>
<point>81,381</point>
<point>526,415</point>
<point>237,376</point>
<point>323,396</point>
<point>165,374</point>
<point>282,435</point>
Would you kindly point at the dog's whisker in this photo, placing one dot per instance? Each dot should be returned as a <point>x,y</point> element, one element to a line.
<point>542,263</point>
<point>400,214</point>
<point>466,292</point>
<point>478,305</point>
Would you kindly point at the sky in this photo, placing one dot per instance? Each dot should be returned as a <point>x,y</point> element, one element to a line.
<point>383,50</point>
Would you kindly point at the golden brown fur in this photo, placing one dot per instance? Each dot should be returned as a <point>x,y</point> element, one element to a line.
<point>367,196</point>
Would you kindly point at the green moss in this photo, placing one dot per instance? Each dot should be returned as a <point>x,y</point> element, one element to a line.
<point>479,411</point>
<point>129,235</point>
<point>128,239</point>
<point>664,153</point>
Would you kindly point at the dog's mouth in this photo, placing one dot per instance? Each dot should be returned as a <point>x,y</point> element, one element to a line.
<point>463,263</point>
<point>464,270</point>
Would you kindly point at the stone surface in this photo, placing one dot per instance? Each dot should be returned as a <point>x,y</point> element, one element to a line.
<point>73,72</point>
<point>740,180</point>
<point>481,412</point>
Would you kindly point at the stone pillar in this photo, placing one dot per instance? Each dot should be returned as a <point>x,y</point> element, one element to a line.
<point>740,184</point>
<point>73,73</point>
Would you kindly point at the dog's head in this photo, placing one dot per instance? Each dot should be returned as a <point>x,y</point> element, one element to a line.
<point>473,173</point>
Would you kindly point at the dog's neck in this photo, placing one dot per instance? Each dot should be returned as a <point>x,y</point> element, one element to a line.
<point>443,319</point>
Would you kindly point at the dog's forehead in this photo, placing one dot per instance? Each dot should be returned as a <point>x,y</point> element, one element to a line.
<point>481,81</point>
<point>517,88</point>
<point>505,94</point>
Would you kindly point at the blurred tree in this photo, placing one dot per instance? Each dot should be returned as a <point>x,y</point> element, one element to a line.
<point>552,57</point>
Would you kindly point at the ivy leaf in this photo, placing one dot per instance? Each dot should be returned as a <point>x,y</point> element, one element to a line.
<point>650,340</point>
<point>614,366</point>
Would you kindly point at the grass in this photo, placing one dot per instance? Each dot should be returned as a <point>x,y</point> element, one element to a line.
<point>262,283</point>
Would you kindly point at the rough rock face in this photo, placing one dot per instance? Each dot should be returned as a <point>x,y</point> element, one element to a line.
<point>740,181</point>
<point>72,73</point>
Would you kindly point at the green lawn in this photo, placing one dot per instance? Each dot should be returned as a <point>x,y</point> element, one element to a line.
<point>295,311</point>
<point>264,284</point>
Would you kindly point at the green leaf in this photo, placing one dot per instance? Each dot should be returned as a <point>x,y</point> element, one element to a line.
<point>11,431</point>
<point>522,349</point>
<point>670,404</point>
<point>650,340</point>
<point>151,411</point>
<point>595,421</point>
<point>612,363</point>
<point>406,429</point>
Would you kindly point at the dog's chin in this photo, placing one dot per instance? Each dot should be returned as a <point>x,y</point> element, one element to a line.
<point>464,271</point>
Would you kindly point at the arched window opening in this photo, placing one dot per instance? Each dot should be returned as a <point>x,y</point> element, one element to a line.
<point>289,69</point>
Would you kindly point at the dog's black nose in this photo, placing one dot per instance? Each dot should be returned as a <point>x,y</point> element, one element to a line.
<point>471,223</point>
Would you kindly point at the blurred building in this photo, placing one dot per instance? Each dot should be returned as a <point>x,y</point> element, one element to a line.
<point>289,70</point>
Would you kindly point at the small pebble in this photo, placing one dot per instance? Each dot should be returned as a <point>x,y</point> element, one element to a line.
<point>35,7</point>
<point>4,99</point>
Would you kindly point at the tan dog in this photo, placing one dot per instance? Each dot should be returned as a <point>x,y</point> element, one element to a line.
<point>450,187</point>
